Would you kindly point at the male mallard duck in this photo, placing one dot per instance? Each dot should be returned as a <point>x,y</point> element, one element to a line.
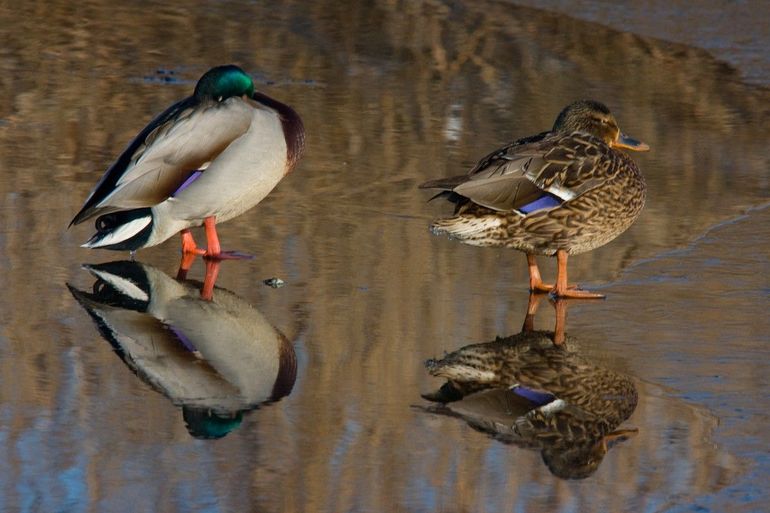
<point>204,160</point>
<point>216,358</point>
<point>562,192</point>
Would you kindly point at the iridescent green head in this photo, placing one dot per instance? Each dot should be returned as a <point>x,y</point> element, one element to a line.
<point>224,82</point>
<point>596,119</point>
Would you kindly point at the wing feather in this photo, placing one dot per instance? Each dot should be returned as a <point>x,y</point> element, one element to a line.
<point>565,166</point>
<point>181,140</point>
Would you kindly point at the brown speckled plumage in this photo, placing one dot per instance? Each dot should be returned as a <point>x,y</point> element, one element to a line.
<point>573,431</point>
<point>595,192</point>
<point>586,222</point>
<point>530,359</point>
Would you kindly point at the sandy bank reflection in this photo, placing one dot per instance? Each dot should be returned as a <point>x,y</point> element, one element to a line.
<point>216,359</point>
<point>526,391</point>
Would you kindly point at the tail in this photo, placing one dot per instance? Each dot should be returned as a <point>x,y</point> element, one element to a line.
<point>446,186</point>
<point>127,230</point>
<point>478,231</point>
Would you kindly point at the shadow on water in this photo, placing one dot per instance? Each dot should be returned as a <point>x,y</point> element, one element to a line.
<point>527,391</point>
<point>216,359</point>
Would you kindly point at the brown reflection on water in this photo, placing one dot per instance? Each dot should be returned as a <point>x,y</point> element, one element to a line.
<point>527,391</point>
<point>391,94</point>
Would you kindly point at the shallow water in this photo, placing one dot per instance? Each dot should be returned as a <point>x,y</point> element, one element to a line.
<point>711,26</point>
<point>391,95</point>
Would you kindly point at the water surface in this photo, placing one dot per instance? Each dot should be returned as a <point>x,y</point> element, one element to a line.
<point>391,95</point>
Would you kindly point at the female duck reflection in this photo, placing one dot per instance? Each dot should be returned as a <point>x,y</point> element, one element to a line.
<point>215,358</point>
<point>526,390</point>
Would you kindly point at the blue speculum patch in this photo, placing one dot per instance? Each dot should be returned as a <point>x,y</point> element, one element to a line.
<point>539,398</point>
<point>190,179</point>
<point>546,201</point>
<point>183,339</point>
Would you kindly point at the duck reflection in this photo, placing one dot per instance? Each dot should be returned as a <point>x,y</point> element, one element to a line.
<point>216,358</point>
<point>527,391</point>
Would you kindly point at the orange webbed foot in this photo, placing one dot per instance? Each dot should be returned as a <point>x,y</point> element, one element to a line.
<point>536,284</point>
<point>547,288</point>
<point>214,251</point>
<point>561,290</point>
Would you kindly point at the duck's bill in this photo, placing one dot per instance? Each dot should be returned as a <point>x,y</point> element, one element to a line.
<point>630,143</point>
<point>618,436</point>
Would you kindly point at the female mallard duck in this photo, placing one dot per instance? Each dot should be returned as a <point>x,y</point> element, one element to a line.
<point>204,160</point>
<point>562,192</point>
<point>545,373</point>
<point>524,390</point>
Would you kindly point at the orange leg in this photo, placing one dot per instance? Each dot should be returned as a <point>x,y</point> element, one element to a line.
<point>561,321</point>
<point>535,281</point>
<point>560,305</point>
<point>212,271</point>
<point>188,243</point>
<point>189,252</point>
<point>214,250</point>
<point>529,320</point>
<point>562,290</point>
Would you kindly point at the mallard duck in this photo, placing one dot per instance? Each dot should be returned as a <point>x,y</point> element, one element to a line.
<point>561,192</point>
<point>531,361</point>
<point>215,358</point>
<point>524,390</point>
<point>204,160</point>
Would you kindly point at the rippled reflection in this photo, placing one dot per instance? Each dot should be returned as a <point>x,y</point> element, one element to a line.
<point>393,93</point>
<point>216,359</point>
<point>528,391</point>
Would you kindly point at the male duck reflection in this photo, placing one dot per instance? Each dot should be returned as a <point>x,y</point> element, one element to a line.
<point>216,359</point>
<point>562,192</point>
<point>524,390</point>
<point>204,160</point>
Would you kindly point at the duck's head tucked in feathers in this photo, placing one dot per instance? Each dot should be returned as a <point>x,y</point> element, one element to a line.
<point>595,118</point>
<point>206,159</point>
<point>223,82</point>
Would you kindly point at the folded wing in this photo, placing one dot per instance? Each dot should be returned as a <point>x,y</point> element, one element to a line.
<point>180,141</point>
<point>524,172</point>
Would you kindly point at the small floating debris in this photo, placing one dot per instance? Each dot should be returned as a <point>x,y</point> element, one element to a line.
<point>276,283</point>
